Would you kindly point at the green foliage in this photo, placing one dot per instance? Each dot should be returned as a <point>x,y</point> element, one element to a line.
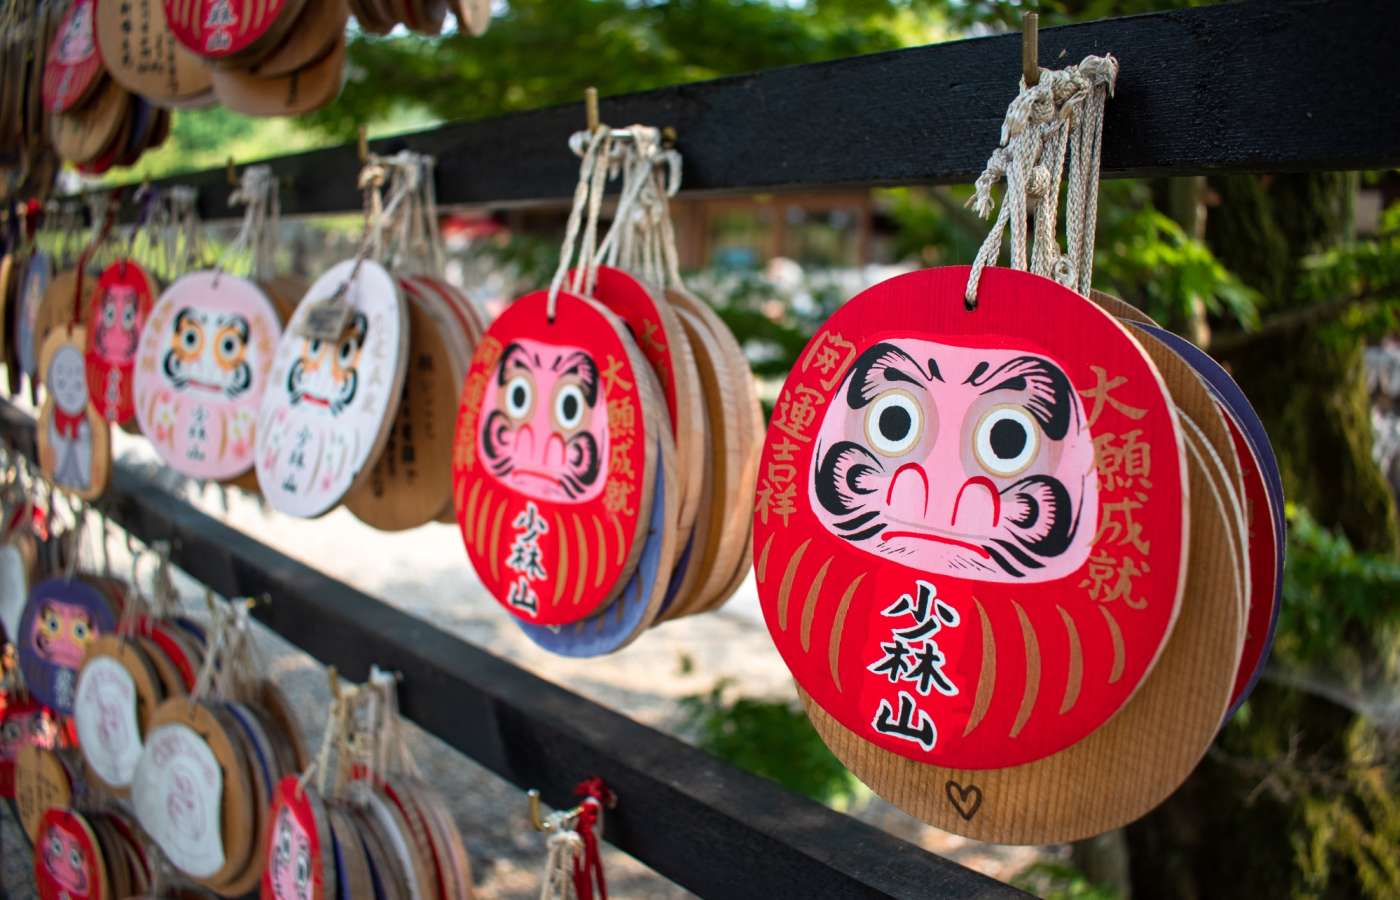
<point>1060,881</point>
<point>545,52</point>
<point>768,738</point>
<point>1146,258</point>
<point>1340,608</point>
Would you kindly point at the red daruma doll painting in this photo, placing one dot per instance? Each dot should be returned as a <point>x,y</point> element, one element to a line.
<point>118,312</point>
<point>969,532</point>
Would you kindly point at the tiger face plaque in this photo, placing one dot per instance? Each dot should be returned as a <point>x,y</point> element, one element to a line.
<point>970,526</point>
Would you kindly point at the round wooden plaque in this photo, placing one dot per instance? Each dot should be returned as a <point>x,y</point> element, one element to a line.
<point>118,690</point>
<point>61,620</point>
<point>68,861</point>
<point>327,410</point>
<point>73,67</point>
<point>300,850</point>
<point>659,335</point>
<point>230,29</point>
<point>42,782</point>
<point>141,53</point>
<point>314,34</point>
<point>971,526</point>
<point>303,91</point>
<point>38,275</point>
<point>119,309</point>
<point>201,368</point>
<point>84,134</point>
<point>192,794</point>
<point>1128,766</point>
<point>406,484</point>
<point>552,427</point>
<point>56,309</point>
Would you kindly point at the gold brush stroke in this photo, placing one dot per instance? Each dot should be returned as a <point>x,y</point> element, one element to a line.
<point>621,540</point>
<point>987,678</point>
<point>1117,635</point>
<point>809,605</point>
<point>488,499</point>
<point>469,510</point>
<point>786,588</point>
<point>496,538</point>
<point>1076,663</point>
<point>1032,671</point>
<point>602,551</point>
<point>561,577</point>
<point>762,573</point>
<point>833,650</point>
<point>582,559</point>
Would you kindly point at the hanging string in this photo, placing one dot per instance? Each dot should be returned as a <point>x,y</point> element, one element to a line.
<point>592,171</point>
<point>257,193</point>
<point>1062,113</point>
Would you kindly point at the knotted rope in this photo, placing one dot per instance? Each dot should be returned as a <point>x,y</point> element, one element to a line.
<point>1061,115</point>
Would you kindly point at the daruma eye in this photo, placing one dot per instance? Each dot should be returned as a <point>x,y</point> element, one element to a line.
<point>894,423</point>
<point>568,407</point>
<point>1006,440</point>
<point>519,396</point>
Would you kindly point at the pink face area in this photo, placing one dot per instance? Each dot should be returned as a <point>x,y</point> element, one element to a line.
<point>544,423</point>
<point>65,860</point>
<point>961,461</point>
<point>118,328</point>
<point>62,632</point>
<point>291,858</point>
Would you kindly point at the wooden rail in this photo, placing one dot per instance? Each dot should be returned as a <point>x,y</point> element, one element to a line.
<point>703,824</point>
<point>1266,86</point>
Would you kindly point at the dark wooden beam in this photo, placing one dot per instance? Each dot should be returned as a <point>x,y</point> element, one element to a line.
<point>705,825</point>
<point>1266,86</point>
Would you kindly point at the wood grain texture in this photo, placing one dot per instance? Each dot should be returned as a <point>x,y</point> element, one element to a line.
<point>537,734</point>
<point>1201,91</point>
<point>1134,761</point>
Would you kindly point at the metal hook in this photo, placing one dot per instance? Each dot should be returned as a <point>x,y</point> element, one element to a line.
<point>232,174</point>
<point>1030,49</point>
<point>363,144</point>
<point>590,108</point>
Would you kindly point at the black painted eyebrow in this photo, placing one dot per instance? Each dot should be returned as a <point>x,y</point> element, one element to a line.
<point>897,366</point>
<point>583,366</point>
<point>512,355</point>
<point>1051,395</point>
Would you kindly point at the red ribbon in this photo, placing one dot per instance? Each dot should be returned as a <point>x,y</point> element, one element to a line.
<point>590,869</point>
<point>68,424</point>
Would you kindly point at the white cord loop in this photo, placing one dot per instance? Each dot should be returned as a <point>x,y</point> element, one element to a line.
<point>1061,116</point>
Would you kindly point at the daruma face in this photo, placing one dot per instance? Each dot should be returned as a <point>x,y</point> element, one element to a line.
<point>326,374</point>
<point>118,325</point>
<point>65,860</point>
<point>290,862</point>
<point>960,461</point>
<point>62,633</point>
<point>544,432</point>
<point>208,352</point>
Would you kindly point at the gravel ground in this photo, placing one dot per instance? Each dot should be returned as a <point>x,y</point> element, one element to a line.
<point>426,573</point>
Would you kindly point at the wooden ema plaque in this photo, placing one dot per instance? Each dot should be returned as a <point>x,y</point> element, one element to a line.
<point>300,851</point>
<point>118,689</point>
<point>141,53</point>
<point>201,368</point>
<point>328,407</point>
<point>118,311</point>
<point>414,471</point>
<point>73,68</point>
<point>68,860</point>
<point>1132,763</point>
<point>62,619</point>
<point>93,133</point>
<point>552,459</point>
<point>970,526</point>
<point>293,94</point>
<point>37,277</point>
<point>226,29</point>
<point>23,723</point>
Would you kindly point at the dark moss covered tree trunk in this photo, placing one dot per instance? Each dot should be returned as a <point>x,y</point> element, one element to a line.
<point>1223,835</point>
